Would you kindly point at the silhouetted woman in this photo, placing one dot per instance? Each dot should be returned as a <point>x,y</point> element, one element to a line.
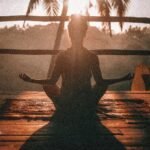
<point>76,101</point>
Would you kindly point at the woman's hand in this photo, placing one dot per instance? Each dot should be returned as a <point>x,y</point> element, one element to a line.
<point>25,77</point>
<point>129,76</point>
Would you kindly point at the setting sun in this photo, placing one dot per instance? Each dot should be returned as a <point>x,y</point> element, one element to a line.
<point>78,6</point>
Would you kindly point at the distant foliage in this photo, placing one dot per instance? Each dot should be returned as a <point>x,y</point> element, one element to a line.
<point>140,35</point>
<point>43,37</point>
<point>31,37</point>
<point>138,32</point>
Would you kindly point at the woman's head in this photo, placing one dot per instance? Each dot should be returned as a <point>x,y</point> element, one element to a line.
<point>77,28</point>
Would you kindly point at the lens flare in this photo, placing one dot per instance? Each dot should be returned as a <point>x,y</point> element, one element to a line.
<point>78,7</point>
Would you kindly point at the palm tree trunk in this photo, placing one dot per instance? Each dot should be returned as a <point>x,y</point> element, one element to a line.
<point>58,36</point>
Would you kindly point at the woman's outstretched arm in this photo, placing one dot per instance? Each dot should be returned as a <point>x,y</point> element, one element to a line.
<point>26,78</point>
<point>127,77</point>
<point>99,79</point>
<point>55,76</point>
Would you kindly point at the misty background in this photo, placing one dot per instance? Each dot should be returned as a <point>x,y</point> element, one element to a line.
<point>43,37</point>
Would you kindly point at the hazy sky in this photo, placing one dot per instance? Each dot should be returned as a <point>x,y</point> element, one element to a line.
<point>138,8</point>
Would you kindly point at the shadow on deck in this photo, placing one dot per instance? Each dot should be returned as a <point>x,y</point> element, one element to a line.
<point>25,123</point>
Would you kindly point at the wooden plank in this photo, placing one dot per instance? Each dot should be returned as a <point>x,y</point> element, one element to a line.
<point>44,115</point>
<point>44,130</point>
<point>43,109</point>
<point>127,96</point>
<point>24,130</point>
<point>144,132</point>
<point>126,140</point>
<point>17,146</point>
<point>47,117</point>
<point>122,123</point>
<point>109,123</point>
<point>137,147</point>
<point>89,18</point>
<point>21,122</point>
<point>132,131</point>
<point>11,145</point>
<point>143,121</point>
<point>124,52</point>
<point>28,117</point>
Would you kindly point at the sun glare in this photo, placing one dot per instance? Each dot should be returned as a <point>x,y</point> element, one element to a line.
<point>78,7</point>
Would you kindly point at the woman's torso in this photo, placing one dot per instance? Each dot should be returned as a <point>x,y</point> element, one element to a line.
<point>76,72</point>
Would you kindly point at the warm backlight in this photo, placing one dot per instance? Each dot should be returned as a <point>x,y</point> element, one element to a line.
<point>78,6</point>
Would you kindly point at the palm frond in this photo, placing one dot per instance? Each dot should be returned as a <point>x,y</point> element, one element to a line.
<point>104,8</point>
<point>58,35</point>
<point>121,7</point>
<point>32,5</point>
<point>61,24</point>
<point>51,7</point>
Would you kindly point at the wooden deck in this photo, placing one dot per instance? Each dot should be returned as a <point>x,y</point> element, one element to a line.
<point>126,115</point>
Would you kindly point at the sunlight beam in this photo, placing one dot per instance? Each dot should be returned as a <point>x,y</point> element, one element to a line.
<point>78,7</point>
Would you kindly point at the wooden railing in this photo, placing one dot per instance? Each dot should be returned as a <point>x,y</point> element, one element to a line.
<point>54,52</point>
<point>89,18</point>
<point>59,18</point>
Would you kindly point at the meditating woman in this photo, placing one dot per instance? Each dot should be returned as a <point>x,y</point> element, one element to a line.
<point>76,101</point>
<point>76,66</point>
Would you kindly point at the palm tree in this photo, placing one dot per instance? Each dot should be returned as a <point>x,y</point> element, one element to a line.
<point>58,35</point>
<point>104,8</point>
<point>52,8</point>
